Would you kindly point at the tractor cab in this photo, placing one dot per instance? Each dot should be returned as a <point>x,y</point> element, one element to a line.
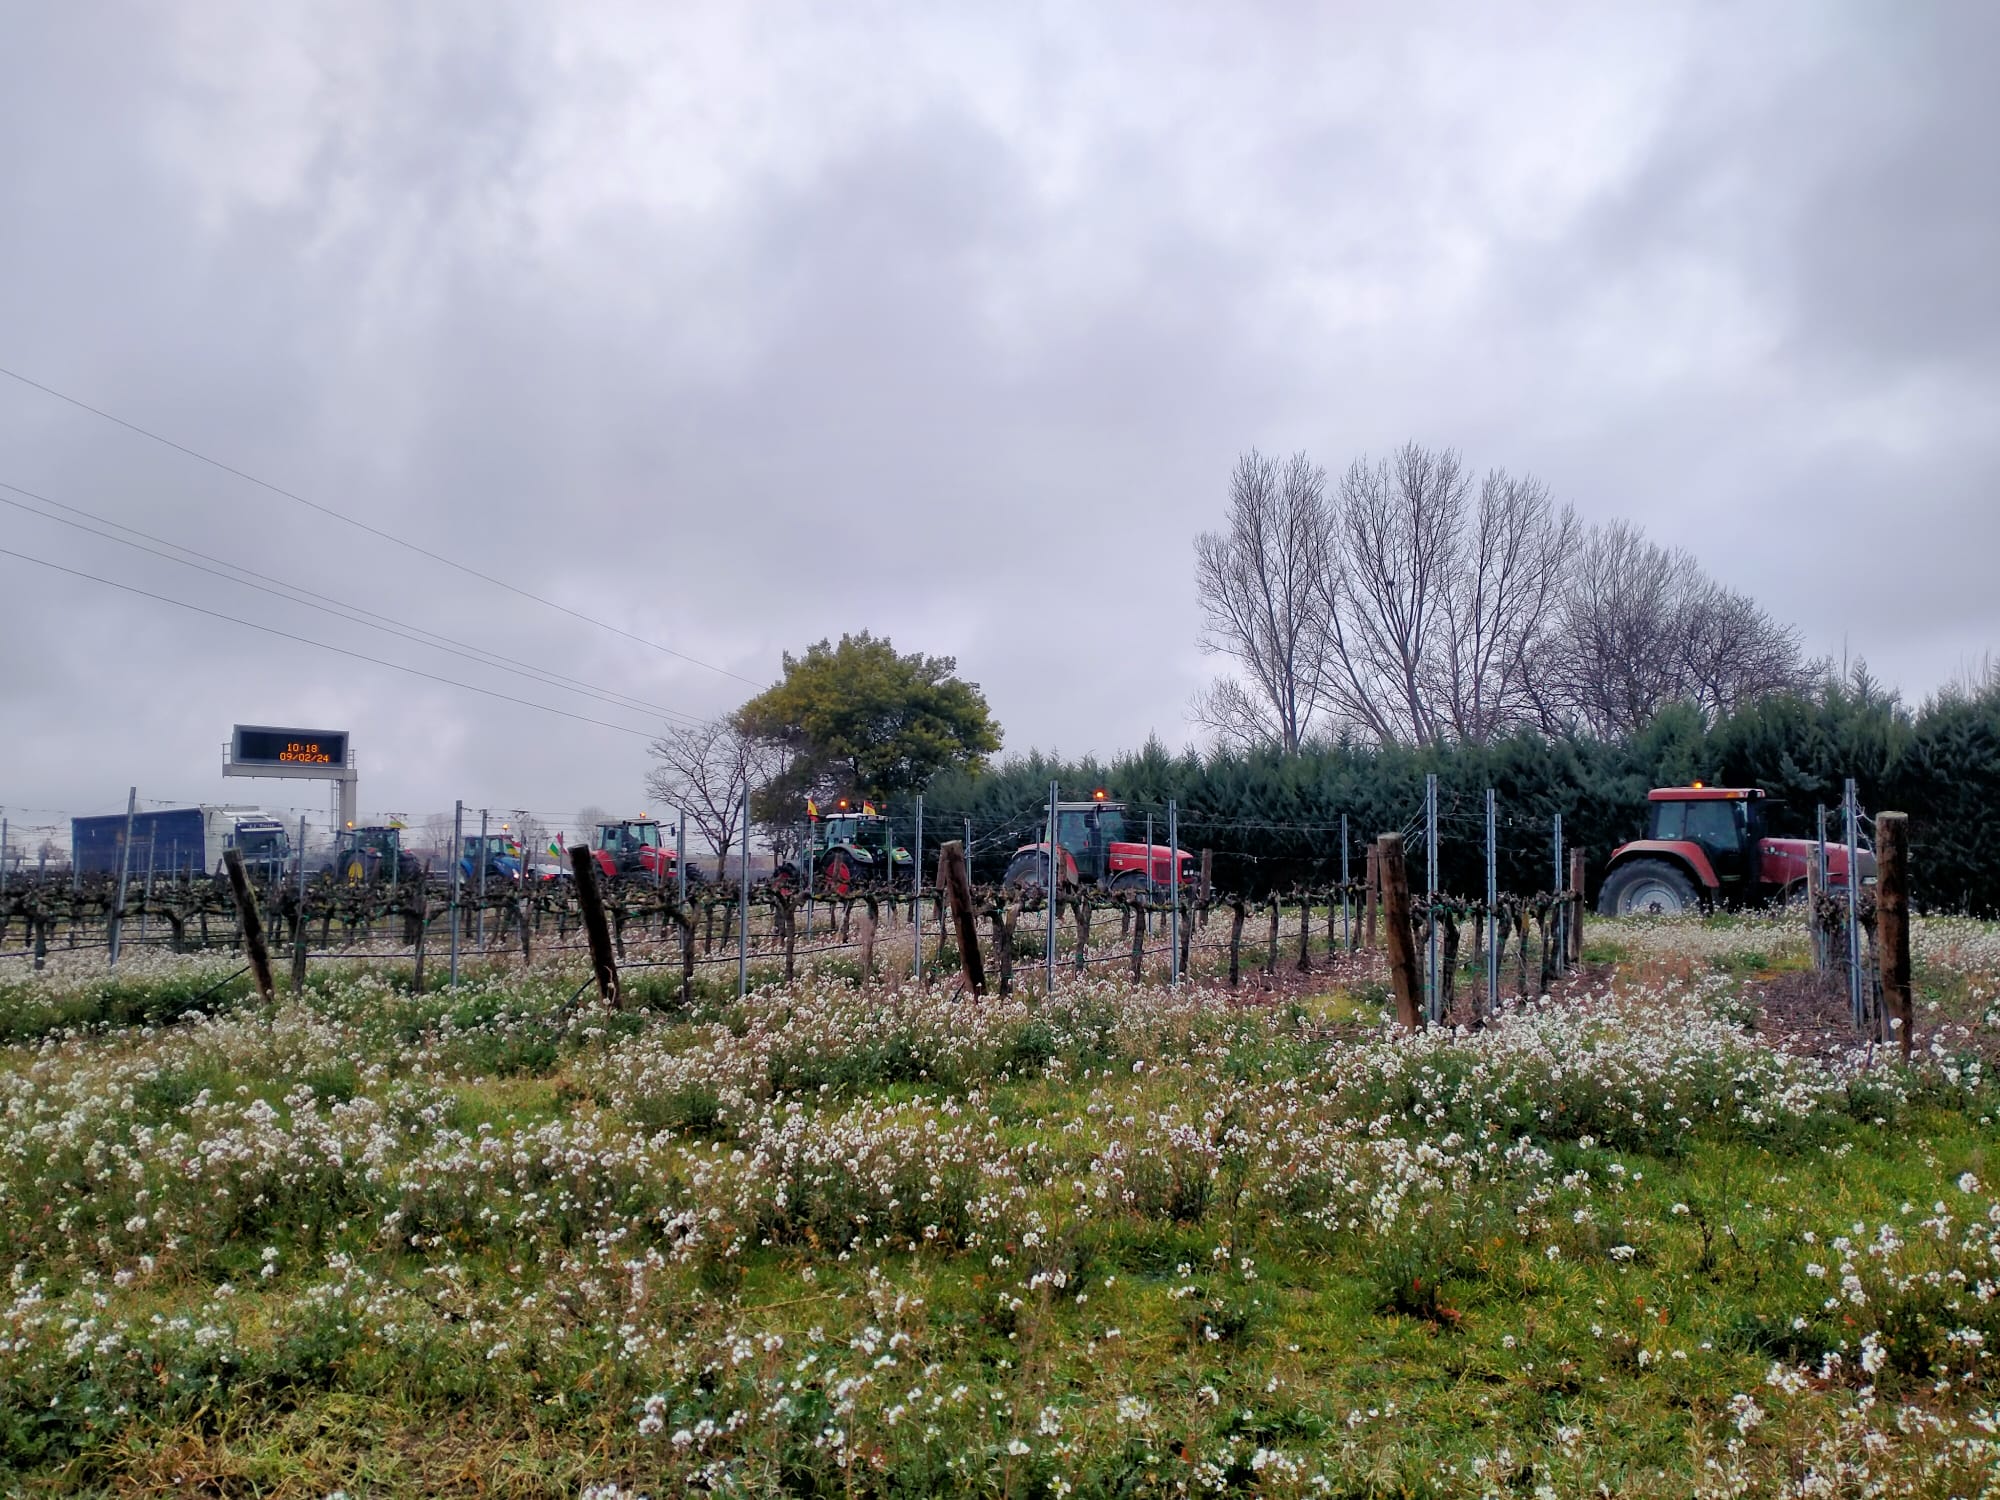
<point>498,854</point>
<point>632,848</point>
<point>373,851</point>
<point>1095,850</point>
<point>264,845</point>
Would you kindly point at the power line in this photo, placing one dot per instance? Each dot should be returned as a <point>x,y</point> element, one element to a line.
<point>387,536</point>
<point>291,593</point>
<point>215,614</point>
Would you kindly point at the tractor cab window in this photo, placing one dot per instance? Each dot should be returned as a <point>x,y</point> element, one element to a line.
<point>1074,830</point>
<point>646,836</point>
<point>1715,825</point>
<point>1110,825</point>
<point>841,830</point>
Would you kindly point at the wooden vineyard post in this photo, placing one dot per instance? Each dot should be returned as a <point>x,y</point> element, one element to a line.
<point>253,925</point>
<point>1373,880</point>
<point>423,928</point>
<point>869,920</point>
<point>1892,922</point>
<point>1003,943</point>
<point>1239,911</point>
<point>1271,949</point>
<point>1576,881</point>
<point>1207,882</point>
<point>1305,932</point>
<point>583,867</point>
<point>1138,945</point>
<point>957,882</point>
<point>1395,884</point>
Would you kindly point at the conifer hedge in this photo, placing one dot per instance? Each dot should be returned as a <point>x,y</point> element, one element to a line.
<point>1272,820</point>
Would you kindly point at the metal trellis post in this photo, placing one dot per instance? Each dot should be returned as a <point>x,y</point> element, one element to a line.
<point>1821,958</point>
<point>1054,873</point>
<point>457,871</point>
<point>743,907</point>
<point>484,814</point>
<point>1346,922</point>
<point>1433,1002</point>
<point>1174,878</point>
<point>124,870</point>
<point>917,885</point>
<point>1855,1000</point>
<point>1562,912</point>
<point>152,849</point>
<point>681,857</point>
<point>1492,905</point>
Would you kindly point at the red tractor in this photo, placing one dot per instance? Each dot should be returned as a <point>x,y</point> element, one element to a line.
<point>1095,851</point>
<point>632,849</point>
<point>1705,846</point>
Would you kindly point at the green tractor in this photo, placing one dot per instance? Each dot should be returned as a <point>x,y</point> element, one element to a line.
<point>850,849</point>
<point>374,851</point>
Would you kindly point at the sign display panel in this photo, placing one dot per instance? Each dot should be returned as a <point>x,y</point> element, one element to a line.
<point>262,745</point>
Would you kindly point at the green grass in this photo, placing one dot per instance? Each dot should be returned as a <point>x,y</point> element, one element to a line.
<point>496,1226</point>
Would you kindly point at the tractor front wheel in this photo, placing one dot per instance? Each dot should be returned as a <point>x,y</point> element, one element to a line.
<point>1648,888</point>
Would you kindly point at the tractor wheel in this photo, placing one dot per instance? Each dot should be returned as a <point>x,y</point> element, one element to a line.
<point>1648,888</point>
<point>1027,871</point>
<point>786,877</point>
<point>1129,883</point>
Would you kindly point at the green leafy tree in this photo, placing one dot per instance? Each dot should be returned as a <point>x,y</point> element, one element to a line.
<point>861,718</point>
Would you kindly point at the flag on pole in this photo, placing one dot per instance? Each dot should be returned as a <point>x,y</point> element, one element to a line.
<point>555,846</point>
<point>867,809</point>
<point>812,808</point>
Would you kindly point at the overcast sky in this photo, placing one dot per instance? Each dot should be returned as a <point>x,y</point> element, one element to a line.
<point>739,326</point>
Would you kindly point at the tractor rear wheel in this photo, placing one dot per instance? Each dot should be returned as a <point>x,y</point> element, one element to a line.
<point>1028,870</point>
<point>842,873</point>
<point>1129,883</point>
<point>1648,888</point>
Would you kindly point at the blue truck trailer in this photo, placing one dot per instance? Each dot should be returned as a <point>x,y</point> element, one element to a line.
<point>181,839</point>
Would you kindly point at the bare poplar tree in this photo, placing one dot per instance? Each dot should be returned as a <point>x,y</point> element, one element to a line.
<point>1259,583</point>
<point>1398,528</point>
<point>1643,627</point>
<point>708,771</point>
<point>1500,606</point>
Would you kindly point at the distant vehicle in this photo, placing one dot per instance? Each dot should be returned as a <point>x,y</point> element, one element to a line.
<point>1706,846</point>
<point>497,853</point>
<point>632,849</point>
<point>181,839</point>
<point>1095,851</point>
<point>374,851</point>
<point>850,849</point>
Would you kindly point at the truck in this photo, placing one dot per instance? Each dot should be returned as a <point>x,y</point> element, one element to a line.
<point>179,839</point>
<point>1707,846</point>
